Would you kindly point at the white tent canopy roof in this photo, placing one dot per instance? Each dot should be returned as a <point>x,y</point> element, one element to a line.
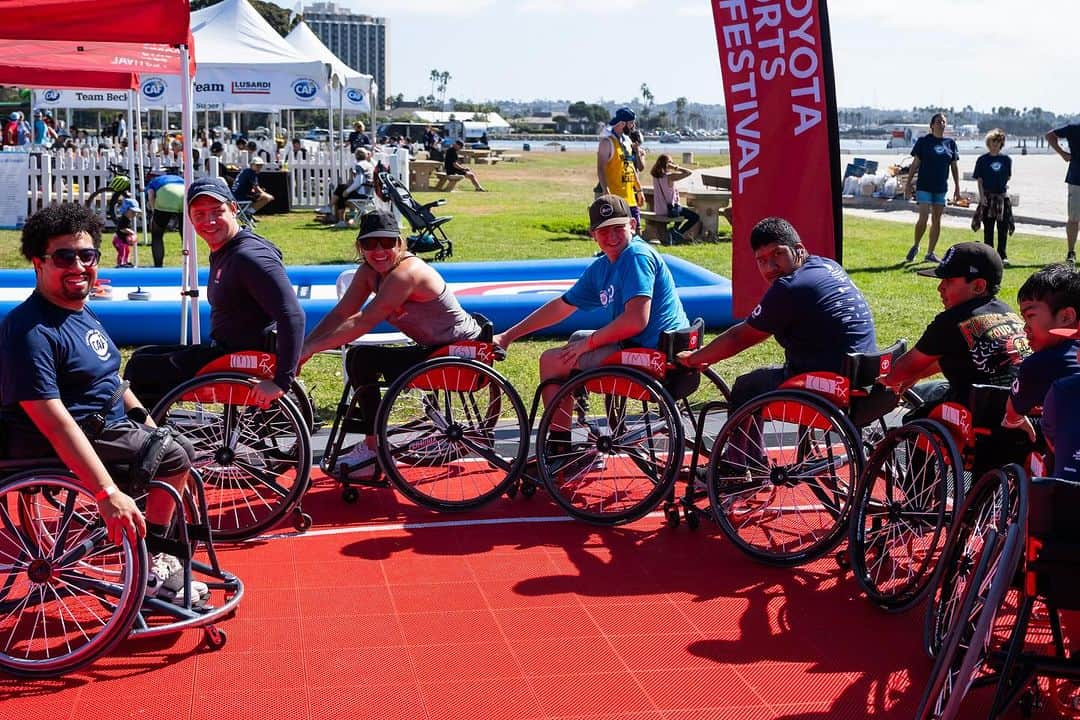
<point>493,120</point>
<point>308,44</point>
<point>233,33</point>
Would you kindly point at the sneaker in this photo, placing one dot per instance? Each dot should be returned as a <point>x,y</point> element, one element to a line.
<point>166,581</point>
<point>912,253</point>
<point>1005,262</point>
<point>358,463</point>
<point>1070,259</point>
<point>931,258</point>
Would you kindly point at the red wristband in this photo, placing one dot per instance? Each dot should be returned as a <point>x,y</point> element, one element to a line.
<point>104,493</point>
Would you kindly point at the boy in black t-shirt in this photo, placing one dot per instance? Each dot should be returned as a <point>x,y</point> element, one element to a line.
<point>1049,299</point>
<point>976,340</point>
<point>992,171</point>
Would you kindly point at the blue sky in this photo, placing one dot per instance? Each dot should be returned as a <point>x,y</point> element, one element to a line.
<point>888,53</point>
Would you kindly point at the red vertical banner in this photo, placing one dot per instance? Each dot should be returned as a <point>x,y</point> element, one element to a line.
<point>780,94</point>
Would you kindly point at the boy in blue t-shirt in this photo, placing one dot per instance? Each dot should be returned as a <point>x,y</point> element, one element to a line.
<point>1049,300</point>
<point>629,279</point>
<point>1061,419</point>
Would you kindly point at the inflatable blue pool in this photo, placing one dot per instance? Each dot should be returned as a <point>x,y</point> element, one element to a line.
<point>504,292</point>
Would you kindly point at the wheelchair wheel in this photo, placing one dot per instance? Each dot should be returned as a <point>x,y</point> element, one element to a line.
<point>986,508</point>
<point>781,477</point>
<point>67,594</point>
<point>621,452</point>
<point>902,513</point>
<point>966,645</point>
<point>453,434</point>
<point>255,463</point>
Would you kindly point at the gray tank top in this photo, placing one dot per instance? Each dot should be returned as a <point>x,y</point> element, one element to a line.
<point>439,321</point>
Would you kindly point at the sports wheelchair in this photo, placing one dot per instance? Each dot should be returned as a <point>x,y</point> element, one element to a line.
<point>255,462</point>
<point>428,234</point>
<point>452,431</point>
<point>913,483</point>
<point>626,442</point>
<point>785,467</point>
<point>69,596</point>
<point>1025,551</point>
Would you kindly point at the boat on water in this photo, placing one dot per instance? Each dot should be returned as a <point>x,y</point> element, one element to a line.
<point>670,137</point>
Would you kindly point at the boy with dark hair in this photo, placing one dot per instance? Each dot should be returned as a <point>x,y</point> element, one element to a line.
<point>1049,299</point>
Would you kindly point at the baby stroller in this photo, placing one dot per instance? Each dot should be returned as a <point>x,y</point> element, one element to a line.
<point>428,235</point>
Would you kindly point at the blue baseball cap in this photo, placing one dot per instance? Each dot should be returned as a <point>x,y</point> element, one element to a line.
<point>215,187</point>
<point>623,114</point>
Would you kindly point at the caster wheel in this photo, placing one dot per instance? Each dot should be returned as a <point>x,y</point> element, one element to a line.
<point>843,561</point>
<point>512,491</point>
<point>528,489</point>
<point>693,520</point>
<point>215,637</point>
<point>350,495</point>
<point>301,520</point>
<point>671,515</point>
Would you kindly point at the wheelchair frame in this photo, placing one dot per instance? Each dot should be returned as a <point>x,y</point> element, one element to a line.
<point>69,596</point>
<point>256,463</point>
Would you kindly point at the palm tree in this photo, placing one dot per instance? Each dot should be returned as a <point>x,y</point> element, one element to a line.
<point>444,78</point>
<point>646,103</point>
<point>434,77</point>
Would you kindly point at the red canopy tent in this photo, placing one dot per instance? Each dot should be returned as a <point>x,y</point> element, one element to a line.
<point>105,44</point>
<point>123,21</point>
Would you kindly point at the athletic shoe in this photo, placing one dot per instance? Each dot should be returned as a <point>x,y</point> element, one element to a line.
<point>1005,262</point>
<point>912,253</point>
<point>931,257</point>
<point>358,463</point>
<point>165,580</point>
<point>1070,259</point>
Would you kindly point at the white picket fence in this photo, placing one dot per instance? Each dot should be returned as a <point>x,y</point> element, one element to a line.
<point>73,176</point>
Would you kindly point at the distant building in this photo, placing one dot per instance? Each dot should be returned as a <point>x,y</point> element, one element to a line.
<point>360,41</point>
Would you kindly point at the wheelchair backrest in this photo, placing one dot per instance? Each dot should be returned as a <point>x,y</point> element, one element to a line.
<point>487,329</point>
<point>1053,542</point>
<point>987,403</point>
<point>864,369</point>
<point>673,342</point>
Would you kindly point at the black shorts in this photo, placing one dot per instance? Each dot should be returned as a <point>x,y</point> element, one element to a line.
<point>121,443</point>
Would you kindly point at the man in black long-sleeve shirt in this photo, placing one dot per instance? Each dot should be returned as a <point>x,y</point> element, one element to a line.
<point>250,298</point>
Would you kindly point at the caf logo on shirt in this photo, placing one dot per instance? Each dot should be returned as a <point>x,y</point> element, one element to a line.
<point>96,341</point>
<point>996,166</point>
<point>939,149</point>
<point>607,295</point>
<point>756,311</point>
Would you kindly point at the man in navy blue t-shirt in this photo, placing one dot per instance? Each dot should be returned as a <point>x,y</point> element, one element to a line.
<point>936,157</point>
<point>60,390</point>
<point>1070,133</point>
<point>812,308</point>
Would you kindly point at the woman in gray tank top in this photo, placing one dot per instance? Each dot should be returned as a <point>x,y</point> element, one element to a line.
<point>410,295</point>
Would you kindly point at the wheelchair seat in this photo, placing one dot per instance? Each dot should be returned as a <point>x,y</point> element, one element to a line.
<point>870,401</point>
<point>680,382</point>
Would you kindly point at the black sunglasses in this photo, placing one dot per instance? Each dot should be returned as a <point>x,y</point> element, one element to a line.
<point>65,257</point>
<point>370,243</point>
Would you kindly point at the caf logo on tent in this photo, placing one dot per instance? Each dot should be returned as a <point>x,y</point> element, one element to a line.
<point>305,88</point>
<point>153,88</point>
<point>51,96</point>
<point>354,96</point>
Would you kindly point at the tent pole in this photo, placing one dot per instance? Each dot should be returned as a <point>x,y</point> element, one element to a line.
<point>191,280</point>
<point>138,141</point>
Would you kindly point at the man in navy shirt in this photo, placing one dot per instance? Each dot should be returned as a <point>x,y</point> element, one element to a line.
<point>1061,419</point>
<point>247,188</point>
<point>1070,133</point>
<point>252,304</point>
<point>59,369</point>
<point>936,157</point>
<point>812,308</point>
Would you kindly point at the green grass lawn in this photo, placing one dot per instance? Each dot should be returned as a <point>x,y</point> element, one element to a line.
<point>537,209</point>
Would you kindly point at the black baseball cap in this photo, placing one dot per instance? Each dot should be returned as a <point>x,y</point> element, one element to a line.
<point>378,224</point>
<point>969,260</point>
<point>213,186</point>
<point>608,210</point>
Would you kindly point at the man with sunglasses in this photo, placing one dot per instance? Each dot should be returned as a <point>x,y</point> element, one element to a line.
<point>60,389</point>
<point>252,304</point>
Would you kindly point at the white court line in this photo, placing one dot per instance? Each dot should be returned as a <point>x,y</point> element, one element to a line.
<point>424,525</point>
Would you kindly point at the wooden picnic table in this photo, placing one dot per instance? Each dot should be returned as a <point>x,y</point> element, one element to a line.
<point>420,173</point>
